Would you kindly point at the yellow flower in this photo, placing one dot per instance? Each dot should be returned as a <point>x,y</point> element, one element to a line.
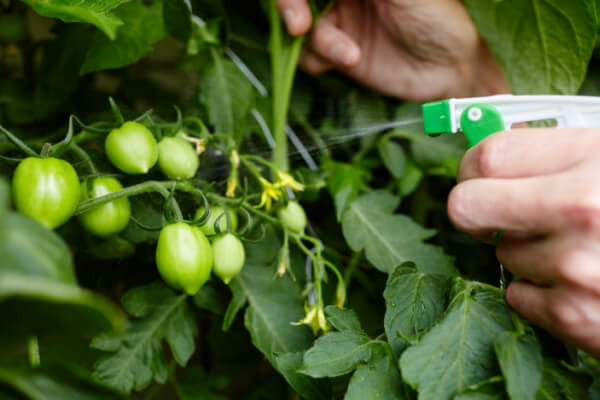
<point>315,319</point>
<point>284,179</point>
<point>282,268</point>
<point>270,192</point>
<point>232,183</point>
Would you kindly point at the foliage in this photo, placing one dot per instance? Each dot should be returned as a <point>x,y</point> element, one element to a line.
<point>377,298</point>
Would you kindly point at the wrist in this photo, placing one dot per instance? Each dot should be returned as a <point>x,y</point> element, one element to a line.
<point>489,77</point>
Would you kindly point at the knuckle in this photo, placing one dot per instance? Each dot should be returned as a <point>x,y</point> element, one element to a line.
<point>582,210</point>
<point>456,206</point>
<point>565,316</point>
<point>487,159</point>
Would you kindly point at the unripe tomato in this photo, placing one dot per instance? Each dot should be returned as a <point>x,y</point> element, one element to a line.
<point>132,148</point>
<point>293,217</point>
<point>184,257</point>
<point>177,158</point>
<point>46,189</point>
<point>229,256</point>
<point>215,212</point>
<point>108,218</point>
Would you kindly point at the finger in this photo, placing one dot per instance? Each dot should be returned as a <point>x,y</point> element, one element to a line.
<point>567,313</point>
<point>530,301</point>
<point>526,206</point>
<point>554,260</point>
<point>333,44</point>
<point>528,152</point>
<point>313,64</point>
<point>296,15</point>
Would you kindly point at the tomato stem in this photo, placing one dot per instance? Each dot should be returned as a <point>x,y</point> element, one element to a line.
<point>85,157</point>
<point>18,143</point>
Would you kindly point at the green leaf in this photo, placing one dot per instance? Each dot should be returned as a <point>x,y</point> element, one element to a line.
<point>458,351</point>
<point>227,95</point>
<point>391,239</point>
<point>4,197</point>
<point>336,354</point>
<point>58,77</point>
<point>345,182</point>
<point>414,302</point>
<point>520,359</point>
<point>53,383</point>
<point>393,157</point>
<point>143,27</point>
<point>29,249</point>
<point>379,379</point>
<point>148,210</point>
<point>439,155</point>
<point>288,364</point>
<point>491,389</point>
<point>559,382</point>
<point>194,383</point>
<point>411,179</point>
<point>209,298</point>
<point>177,16</point>
<point>343,319</point>
<point>542,46</point>
<point>42,307</point>
<point>137,356</point>
<point>94,12</point>
<point>274,303</point>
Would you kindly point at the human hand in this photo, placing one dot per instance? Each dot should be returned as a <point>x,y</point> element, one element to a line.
<point>411,49</point>
<point>542,186</point>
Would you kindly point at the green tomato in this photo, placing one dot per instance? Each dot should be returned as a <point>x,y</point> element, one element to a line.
<point>215,213</point>
<point>108,218</point>
<point>177,158</point>
<point>229,256</point>
<point>46,189</point>
<point>132,148</point>
<point>293,217</point>
<point>184,257</point>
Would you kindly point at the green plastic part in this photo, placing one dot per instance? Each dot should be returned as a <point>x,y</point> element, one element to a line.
<point>436,117</point>
<point>479,121</point>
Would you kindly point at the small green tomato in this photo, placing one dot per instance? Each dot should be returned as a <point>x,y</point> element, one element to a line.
<point>215,213</point>
<point>108,218</point>
<point>293,217</point>
<point>132,148</point>
<point>46,189</point>
<point>229,256</point>
<point>184,257</point>
<point>177,158</point>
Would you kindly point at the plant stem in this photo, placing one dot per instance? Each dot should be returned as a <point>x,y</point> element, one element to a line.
<point>145,187</point>
<point>284,60</point>
<point>85,156</point>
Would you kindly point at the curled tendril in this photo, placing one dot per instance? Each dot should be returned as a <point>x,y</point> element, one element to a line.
<point>248,218</point>
<point>207,211</point>
<point>179,121</point>
<point>145,115</point>
<point>171,209</point>
<point>263,234</point>
<point>91,128</point>
<point>144,226</point>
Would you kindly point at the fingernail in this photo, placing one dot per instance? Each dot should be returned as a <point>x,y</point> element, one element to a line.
<point>290,17</point>
<point>341,53</point>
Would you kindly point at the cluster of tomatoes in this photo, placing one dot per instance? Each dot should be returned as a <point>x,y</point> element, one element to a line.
<point>49,191</point>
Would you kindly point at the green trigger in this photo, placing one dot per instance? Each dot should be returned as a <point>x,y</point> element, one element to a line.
<point>478,121</point>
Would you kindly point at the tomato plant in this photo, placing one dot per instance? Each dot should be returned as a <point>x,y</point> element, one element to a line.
<point>229,256</point>
<point>333,272</point>
<point>46,189</point>
<point>176,158</point>
<point>218,215</point>
<point>132,148</point>
<point>108,218</point>
<point>184,257</point>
